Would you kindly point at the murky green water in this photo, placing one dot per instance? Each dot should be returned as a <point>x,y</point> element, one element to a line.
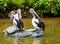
<point>25,40</point>
<point>52,32</point>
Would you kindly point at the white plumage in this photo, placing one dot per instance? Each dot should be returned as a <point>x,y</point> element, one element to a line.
<point>15,19</point>
<point>34,24</point>
<point>35,19</point>
<point>37,24</point>
<point>17,16</point>
<point>14,29</point>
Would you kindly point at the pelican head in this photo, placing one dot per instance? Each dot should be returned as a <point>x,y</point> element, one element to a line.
<point>34,14</point>
<point>31,10</point>
<point>19,13</point>
<point>11,13</point>
<point>19,10</point>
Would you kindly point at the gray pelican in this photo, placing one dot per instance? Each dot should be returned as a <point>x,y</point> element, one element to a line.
<point>36,22</point>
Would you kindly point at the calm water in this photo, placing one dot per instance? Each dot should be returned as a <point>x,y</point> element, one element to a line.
<point>26,40</point>
<point>52,33</point>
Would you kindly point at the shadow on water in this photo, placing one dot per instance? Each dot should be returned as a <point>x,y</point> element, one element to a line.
<point>26,40</point>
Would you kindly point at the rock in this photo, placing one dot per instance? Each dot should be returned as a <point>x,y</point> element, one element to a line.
<point>29,32</point>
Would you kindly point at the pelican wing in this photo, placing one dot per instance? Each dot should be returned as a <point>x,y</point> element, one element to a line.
<point>40,24</point>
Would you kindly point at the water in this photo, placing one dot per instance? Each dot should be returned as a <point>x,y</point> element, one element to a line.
<point>26,40</point>
<point>52,32</point>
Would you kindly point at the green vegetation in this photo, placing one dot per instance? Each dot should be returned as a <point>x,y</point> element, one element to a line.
<point>42,7</point>
<point>52,32</point>
<point>3,5</point>
<point>48,6</point>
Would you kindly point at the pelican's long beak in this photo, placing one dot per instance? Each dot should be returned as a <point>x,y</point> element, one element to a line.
<point>33,12</point>
<point>36,14</point>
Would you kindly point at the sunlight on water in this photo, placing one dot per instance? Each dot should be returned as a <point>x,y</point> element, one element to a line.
<point>26,40</point>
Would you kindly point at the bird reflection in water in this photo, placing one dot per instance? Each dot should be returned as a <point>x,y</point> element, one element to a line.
<point>30,40</point>
<point>27,40</point>
<point>39,41</point>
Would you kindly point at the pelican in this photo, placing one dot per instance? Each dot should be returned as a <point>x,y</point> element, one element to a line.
<point>15,18</point>
<point>19,20</point>
<point>36,22</point>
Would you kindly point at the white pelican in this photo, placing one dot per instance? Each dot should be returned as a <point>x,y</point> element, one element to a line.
<point>17,22</point>
<point>16,18</point>
<point>36,22</point>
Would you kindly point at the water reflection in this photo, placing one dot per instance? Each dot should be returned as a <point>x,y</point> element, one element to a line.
<point>27,40</point>
<point>39,41</point>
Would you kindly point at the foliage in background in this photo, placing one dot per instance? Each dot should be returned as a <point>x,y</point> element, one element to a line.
<point>3,5</point>
<point>49,7</point>
<point>23,4</point>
